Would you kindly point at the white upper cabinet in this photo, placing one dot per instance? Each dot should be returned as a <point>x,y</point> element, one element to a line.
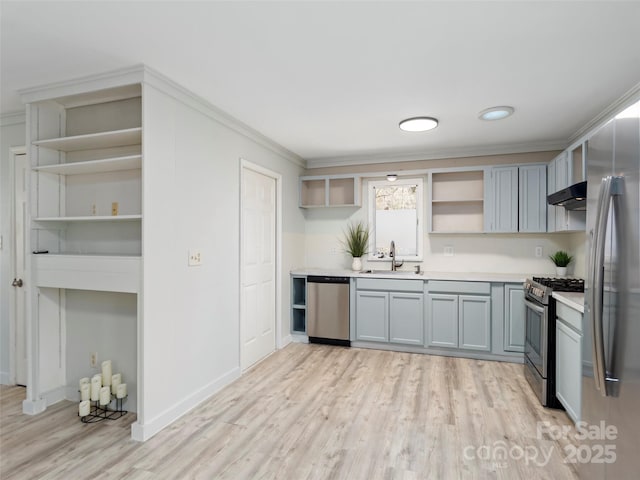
<point>532,214</point>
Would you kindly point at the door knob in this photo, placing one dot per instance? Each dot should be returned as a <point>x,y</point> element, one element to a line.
<point>17,282</point>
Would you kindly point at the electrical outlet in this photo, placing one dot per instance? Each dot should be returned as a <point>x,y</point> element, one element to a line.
<point>538,251</point>
<point>333,250</point>
<point>114,209</point>
<point>448,251</point>
<point>93,359</point>
<point>195,258</point>
<point>93,209</point>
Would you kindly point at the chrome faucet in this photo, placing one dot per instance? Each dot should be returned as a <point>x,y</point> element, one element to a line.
<point>392,254</point>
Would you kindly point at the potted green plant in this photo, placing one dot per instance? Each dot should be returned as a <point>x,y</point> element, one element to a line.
<point>356,242</point>
<point>561,259</point>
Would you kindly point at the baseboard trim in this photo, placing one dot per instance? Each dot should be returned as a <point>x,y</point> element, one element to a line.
<point>285,341</point>
<point>34,407</point>
<point>5,378</point>
<point>143,432</point>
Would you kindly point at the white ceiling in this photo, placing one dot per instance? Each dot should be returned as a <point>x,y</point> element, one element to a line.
<point>331,80</point>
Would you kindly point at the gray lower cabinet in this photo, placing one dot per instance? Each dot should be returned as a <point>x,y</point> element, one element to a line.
<point>406,318</point>
<point>372,316</point>
<point>459,321</point>
<point>442,311</point>
<point>475,322</point>
<point>513,317</point>
<point>569,360</point>
<point>390,311</point>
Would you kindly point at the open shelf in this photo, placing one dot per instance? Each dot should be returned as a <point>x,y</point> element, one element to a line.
<point>457,202</point>
<point>129,162</point>
<point>90,218</point>
<point>329,191</point>
<point>115,138</point>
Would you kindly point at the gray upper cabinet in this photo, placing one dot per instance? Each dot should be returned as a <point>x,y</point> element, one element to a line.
<point>532,198</point>
<point>505,199</point>
<point>514,318</point>
<point>518,199</point>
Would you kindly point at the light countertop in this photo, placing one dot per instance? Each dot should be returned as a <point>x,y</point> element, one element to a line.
<point>425,275</point>
<point>574,300</point>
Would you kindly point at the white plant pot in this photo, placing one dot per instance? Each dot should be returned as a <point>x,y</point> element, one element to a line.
<point>561,271</point>
<point>356,265</point>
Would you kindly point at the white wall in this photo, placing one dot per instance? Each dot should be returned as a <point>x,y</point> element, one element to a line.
<point>12,134</point>
<point>191,198</point>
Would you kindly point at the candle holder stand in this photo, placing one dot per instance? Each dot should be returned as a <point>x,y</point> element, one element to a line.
<point>99,413</point>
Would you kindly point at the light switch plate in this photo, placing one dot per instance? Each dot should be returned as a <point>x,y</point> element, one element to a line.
<point>195,258</point>
<point>538,251</point>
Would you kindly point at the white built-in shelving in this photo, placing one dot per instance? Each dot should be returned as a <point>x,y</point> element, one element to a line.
<point>457,201</point>
<point>117,164</point>
<point>108,139</point>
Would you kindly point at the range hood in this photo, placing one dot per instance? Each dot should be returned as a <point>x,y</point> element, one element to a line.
<point>571,198</point>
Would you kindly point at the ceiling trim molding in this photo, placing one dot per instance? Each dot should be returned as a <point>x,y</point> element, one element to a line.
<point>392,157</point>
<point>144,74</point>
<point>13,118</point>
<point>628,98</point>
<point>170,87</point>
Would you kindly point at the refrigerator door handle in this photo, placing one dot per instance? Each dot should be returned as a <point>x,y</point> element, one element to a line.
<point>610,186</point>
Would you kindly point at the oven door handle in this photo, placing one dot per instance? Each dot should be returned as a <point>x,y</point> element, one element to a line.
<point>534,307</point>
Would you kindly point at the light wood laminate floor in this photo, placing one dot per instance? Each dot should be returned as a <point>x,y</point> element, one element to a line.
<point>311,412</point>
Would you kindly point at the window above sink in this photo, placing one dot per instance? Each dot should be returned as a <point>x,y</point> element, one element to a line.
<point>395,212</point>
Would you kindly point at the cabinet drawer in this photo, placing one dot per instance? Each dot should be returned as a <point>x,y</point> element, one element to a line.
<point>568,315</point>
<point>446,286</point>
<point>390,285</point>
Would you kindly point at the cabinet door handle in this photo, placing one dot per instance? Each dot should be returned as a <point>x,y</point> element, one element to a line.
<point>17,282</point>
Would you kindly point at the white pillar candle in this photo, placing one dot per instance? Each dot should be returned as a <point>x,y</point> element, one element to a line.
<point>84,381</point>
<point>116,379</point>
<point>84,408</point>
<point>97,376</point>
<point>85,392</point>
<point>95,389</point>
<point>105,396</point>
<point>122,390</point>
<point>106,373</point>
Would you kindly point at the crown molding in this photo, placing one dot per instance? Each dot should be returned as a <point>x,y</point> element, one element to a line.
<point>627,99</point>
<point>141,73</point>
<point>392,157</point>
<point>170,87</point>
<point>13,118</point>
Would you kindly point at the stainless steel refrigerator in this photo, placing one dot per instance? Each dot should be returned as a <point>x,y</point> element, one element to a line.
<point>611,343</point>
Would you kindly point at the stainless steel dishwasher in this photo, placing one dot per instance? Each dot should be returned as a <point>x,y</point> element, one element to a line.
<point>328,310</point>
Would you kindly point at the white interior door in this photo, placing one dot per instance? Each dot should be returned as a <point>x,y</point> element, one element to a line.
<point>19,215</point>
<point>258,265</point>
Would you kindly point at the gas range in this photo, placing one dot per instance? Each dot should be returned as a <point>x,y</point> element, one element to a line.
<point>540,288</point>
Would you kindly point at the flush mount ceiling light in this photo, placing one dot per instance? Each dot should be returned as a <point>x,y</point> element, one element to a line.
<point>495,113</point>
<point>392,177</point>
<point>418,124</point>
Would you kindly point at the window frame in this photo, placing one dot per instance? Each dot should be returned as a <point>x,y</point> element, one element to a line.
<point>371,206</point>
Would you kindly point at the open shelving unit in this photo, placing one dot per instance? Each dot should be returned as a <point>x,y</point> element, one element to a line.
<point>298,304</point>
<point>330,191</point>
<point>457,202</point>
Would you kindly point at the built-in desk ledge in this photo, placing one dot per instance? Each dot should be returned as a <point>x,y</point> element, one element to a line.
<point>424,275</point>
<point>574,300</point>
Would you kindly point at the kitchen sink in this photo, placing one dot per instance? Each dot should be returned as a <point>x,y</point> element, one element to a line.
<point>390,272</point>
